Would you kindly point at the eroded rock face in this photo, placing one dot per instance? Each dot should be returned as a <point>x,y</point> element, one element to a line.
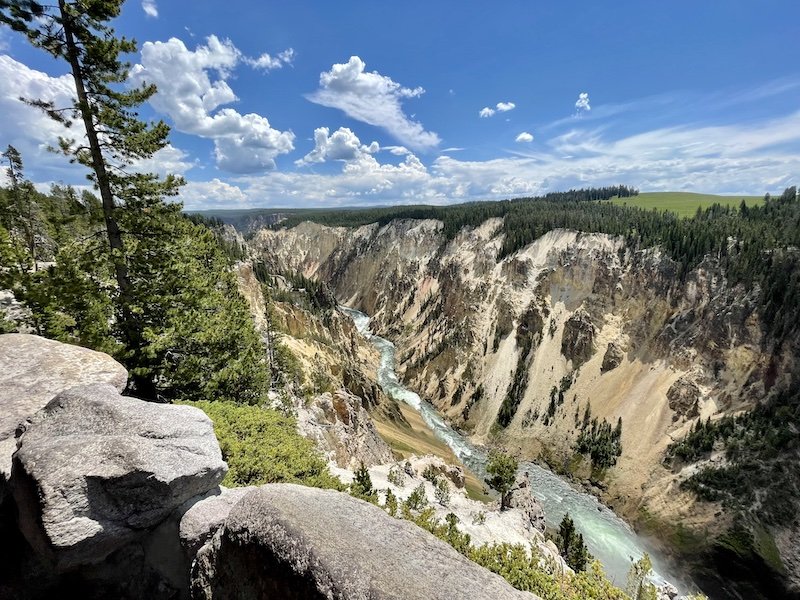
<point>33,370</point>
<point>612,358</point>
<point>94,469</point>
<point>522,498</point>
<point>340,426</point>
<point>289,541</point>
<point>577,343</point>
<point>684,396</point>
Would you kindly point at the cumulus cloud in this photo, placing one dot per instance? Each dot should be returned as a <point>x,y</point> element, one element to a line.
<point>27,128</point>
<point>212,194</point>
<point>582,103</point>
<point>342,145</point>
<point>374,99</point>
<point>168,160</point>
<point>731,159</point>
<point>524,137</point>
<point>150,9</point>
<point>267,62</point>
<point>487,111</point>
<point>192,88</point>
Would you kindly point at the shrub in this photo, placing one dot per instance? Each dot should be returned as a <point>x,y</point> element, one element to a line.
<point>417,500</point>
<point>262,445</point>
<point>396,476</point>
<point>441,491</point>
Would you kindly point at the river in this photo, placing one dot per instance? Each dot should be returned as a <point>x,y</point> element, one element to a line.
<point>610,539</point>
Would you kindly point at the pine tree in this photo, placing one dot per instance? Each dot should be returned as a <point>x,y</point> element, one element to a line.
<point>21,210</point>
<point>571,545</point>
<point>78,32</point>
<point>179,324</point>
<point>502,471</point>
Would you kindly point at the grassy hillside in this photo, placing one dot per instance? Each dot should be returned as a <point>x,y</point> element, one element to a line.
<point>685,204</point>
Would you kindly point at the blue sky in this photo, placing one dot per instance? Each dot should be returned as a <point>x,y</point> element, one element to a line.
<point>358,103</point>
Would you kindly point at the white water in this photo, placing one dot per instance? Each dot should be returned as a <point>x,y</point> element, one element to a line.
<point>608,537</point>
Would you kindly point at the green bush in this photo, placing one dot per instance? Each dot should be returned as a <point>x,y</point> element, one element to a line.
<point>262,445</point>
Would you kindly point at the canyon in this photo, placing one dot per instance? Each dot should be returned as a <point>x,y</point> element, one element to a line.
<point>520,352</point>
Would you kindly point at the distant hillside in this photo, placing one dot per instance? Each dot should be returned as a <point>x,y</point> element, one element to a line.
<point>685,204</point>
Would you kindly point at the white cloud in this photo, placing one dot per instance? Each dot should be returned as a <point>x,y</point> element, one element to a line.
<point>487,112</point>
<point>524,137</point>
<point>192,99</point>
<point>342,145</point>
<point>268,62</point>
<point>29,129</point>
<point>3,40</point>
<point>733,159</point>
<point>582,103</point>
<point>150,9</point>
<point>211,194</point>
<point>168,160</point>
<point>373,99</point>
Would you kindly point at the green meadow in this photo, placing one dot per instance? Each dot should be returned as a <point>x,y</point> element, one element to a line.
<point>684,204</point>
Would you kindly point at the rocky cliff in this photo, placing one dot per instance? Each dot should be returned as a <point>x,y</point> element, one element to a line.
<point>527,350</point>
<point>111,496</point>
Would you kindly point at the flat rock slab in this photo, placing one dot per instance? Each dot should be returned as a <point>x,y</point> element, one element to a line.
<point>288,541</point>
<point>95,468</point>
<point>33,370</point>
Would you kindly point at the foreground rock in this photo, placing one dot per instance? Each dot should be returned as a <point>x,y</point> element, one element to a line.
<point>33,370</point>
<point>95,469</point>
<point>288,541</point>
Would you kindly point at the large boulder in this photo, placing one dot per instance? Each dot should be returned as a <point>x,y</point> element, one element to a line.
<point>203,518</point>
<point>289,541</point>
<point>95,469</point>
<point>33,370</point>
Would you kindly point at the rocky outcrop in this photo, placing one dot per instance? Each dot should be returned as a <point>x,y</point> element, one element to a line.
<point>430,464</point>
<point>684,397</point>
<point>95,469</point>
<point>340,426</point>
<point>521,498</point>
<point>292,542</point>
<point>612,358</point>
<point>577,341</point>
<point>33,370</point>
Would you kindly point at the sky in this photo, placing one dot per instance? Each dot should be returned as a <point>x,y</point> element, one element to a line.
<point>293,104</point>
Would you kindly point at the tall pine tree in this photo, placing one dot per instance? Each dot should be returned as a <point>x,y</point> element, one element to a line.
<point>181,326</point>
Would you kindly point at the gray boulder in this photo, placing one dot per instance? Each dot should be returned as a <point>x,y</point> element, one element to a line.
<point>94,470</point>
<point>203,518</point>
<point>288,541</point>
<point>33,370</point>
